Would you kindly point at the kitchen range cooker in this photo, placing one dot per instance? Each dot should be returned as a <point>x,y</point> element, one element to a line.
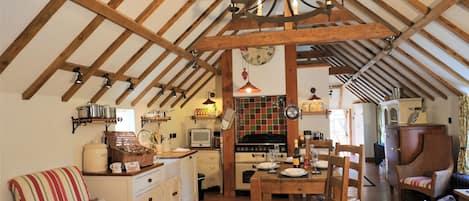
<point>252,150</point>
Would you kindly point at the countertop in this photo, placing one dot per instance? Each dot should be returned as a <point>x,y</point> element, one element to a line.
<point>109,173</point>
<point>206,148</point>
<point>175,155</point>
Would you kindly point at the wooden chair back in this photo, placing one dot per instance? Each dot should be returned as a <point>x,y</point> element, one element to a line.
<point>357,162</point>
<point>337,184</point>
<point>321,144</point>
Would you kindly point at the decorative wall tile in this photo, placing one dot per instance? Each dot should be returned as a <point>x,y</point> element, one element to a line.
<point>260,115</point>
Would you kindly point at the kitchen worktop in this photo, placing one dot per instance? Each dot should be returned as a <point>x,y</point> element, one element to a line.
<point>175,155</point>
<point>206,148</point>
<point>109,173</point>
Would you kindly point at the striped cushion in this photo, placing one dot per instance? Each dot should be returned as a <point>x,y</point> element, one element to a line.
<point>61,184</point>
<point>424,182</point>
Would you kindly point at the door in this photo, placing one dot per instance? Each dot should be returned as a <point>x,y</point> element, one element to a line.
<point>339,126</point>
<point>392,153</point>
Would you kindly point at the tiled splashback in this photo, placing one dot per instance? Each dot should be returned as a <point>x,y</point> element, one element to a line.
<point>260,115</point>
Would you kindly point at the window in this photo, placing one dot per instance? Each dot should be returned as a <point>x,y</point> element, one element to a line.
<point>128,120</point>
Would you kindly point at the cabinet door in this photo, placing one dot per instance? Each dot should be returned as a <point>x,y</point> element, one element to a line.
<point>172,191</point>
<point>189,178</point>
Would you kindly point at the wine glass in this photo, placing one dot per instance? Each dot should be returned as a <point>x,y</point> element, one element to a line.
<point>271,157</point>
<point>314,159</point>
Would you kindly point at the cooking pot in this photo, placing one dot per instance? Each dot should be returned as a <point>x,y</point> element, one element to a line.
<point>83,112</point>
<point>106,111</point>
<point>95,110</point>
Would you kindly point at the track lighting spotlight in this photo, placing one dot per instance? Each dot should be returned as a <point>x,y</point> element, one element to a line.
<point>107,81</point>
<point>161,91</point>
<point>78,75</point>
<point>173,93</point>
<point>131,84</point>
<point>184,95</point>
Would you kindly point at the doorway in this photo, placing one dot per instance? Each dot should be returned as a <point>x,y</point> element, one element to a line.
<point>340,126</point>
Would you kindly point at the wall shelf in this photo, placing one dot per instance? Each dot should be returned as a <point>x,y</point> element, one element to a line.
<point>76,122</point>
<point>146,120</point>
<point>195,118</point>
<point>325,112</point>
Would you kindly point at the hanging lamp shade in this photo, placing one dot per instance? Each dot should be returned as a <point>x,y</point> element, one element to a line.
<point>249,88</point>
<point>209,101</point>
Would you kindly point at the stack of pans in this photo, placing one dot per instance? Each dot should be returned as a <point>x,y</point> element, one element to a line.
<point>96,111</point>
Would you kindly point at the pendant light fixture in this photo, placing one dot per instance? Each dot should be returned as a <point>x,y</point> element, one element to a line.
<point>248,87</point>
<point>209,101</point>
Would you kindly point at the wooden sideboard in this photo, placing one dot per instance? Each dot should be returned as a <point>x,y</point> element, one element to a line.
<point>404,144</point>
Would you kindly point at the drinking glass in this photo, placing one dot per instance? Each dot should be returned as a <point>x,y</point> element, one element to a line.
<point>314,159</point>
<point>271,158</point>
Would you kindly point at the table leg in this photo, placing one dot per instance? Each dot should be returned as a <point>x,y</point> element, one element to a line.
<point>266,196</point>
<point>256,194</point>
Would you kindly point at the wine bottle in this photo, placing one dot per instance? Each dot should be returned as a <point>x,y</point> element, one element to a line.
<point>296,155</point>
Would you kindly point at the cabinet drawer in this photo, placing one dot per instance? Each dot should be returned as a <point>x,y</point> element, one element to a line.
<point>147,180</point>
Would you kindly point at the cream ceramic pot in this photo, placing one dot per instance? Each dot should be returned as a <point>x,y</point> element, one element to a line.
<point>95,158</point>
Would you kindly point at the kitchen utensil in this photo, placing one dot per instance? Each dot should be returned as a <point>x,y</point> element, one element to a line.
<point>292,112</point>
<point>294,172</point>
<point>83,112</point>
<point>116,167</point>
<point>267,166</point>
<point>106,113</point>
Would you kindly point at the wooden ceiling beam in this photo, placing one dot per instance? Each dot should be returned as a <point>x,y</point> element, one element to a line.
<point>181,38</point>
<point>399,74</point>
<point>111,49</point>
<point>465,3</point>
<point>188,89</point>
<point>453,28</point>
<point>419,6</point>
<point>377,86</point>
<point>437,61</point>
<point>430,72</point>
<point>362,8</point>
<point>197,90</point>
<point>312,54</point>
<point>313,35</point>
<point>246,23</point>
<point>446,48</point>
<point>29,32</point>
<point>341,70</point>
<point>393,11</point>
<point>311,64</point>
<point>66,53</point>
<point>381,84</point>
<point>148,44</point>
<point>138,29</point>
<point>343,80</point>
<point>432,15</point>
<point>415,74</point>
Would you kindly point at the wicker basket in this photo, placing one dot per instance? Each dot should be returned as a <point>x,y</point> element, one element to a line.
<point>124,147</point>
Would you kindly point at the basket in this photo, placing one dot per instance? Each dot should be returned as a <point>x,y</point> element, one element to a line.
<point>124,147</point>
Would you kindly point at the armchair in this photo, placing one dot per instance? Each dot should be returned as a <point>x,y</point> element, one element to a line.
<point>431,171</point>
<point>64,183</point>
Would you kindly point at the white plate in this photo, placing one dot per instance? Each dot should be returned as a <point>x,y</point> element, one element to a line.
<point>294,172</point>
<point>267,165</point>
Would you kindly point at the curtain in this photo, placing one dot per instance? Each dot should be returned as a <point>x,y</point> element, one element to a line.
<point>463,158</point>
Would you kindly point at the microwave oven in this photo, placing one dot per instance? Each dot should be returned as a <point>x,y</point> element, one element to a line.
<point>201,137</point>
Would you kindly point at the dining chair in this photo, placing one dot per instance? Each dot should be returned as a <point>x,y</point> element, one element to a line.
<point>357,162</point>
<point>337,184</point>
<point>321,144</point>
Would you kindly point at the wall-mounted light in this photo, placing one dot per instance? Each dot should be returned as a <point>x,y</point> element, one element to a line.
<point>173,93</point>
<point>209,101</point>
<point>314,97</point>
<point>131,84</point>
<point>107,81</point>
<point>78,76</point>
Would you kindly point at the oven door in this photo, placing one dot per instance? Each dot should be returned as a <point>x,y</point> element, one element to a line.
<point>243,172</point>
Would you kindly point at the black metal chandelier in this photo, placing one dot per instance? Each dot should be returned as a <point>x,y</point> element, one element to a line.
<point>254,9</point>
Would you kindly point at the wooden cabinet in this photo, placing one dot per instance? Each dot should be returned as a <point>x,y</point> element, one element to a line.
<point>209,164</point>
<point>189,188</point>
<point>404,144</point>
<point>145,186</point>
<point>181,173</point>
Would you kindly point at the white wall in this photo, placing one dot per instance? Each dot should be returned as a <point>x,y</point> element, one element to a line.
<point>270,77</point>
<point>318,78</point>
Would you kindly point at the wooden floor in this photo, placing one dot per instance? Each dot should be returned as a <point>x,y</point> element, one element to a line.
<point>376,174</point>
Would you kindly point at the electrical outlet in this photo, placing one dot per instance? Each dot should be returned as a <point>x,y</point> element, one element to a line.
<point>449,120</point>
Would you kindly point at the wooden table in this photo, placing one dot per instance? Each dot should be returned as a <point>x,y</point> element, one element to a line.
<point>263,184</point>
<point>463,194</point>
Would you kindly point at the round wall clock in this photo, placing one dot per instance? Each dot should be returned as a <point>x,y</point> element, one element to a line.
<point>258,55</point>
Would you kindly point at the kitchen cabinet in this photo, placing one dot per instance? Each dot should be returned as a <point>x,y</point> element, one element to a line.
<point>404,143</point>
<point>144,186</point>
<point>181,169</point>
<point>209,164</point>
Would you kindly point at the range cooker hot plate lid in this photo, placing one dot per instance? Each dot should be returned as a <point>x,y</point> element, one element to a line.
<point>264,138</point>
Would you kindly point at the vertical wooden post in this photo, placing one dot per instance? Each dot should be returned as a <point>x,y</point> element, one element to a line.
<point>228,135</point>
<point>292,93</point>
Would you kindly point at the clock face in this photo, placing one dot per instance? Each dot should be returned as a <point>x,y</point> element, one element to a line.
<point>258,55</point>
